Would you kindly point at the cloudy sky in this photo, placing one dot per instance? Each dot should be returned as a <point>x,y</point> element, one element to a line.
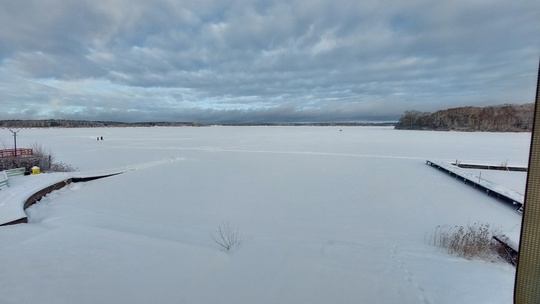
<point>263,60</point>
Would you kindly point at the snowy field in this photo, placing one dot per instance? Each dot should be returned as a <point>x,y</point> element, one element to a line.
<point>327,215</point>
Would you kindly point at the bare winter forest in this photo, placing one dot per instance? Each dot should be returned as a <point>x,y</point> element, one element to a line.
<point>503,118</point>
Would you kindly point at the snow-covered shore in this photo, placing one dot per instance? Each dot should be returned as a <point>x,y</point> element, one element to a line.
<point>327,216</point>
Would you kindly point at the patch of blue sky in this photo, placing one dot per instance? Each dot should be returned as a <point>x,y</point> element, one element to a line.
<point>403,24</point>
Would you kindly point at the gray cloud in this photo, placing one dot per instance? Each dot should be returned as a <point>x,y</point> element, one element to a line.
<point>261,61</point>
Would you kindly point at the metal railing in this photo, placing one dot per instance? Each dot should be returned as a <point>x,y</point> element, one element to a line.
<point>16,152</point>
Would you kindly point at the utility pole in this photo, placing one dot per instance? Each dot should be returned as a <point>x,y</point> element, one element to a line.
<point>15,139</point>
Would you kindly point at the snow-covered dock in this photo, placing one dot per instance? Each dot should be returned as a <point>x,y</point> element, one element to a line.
<point>23,191</point>
<point>502,167</point>
<point>490,188</point>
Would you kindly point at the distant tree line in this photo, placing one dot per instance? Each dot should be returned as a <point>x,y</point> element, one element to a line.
<point>60,123</point>
<point>315,124</point>
<point>502,118</point>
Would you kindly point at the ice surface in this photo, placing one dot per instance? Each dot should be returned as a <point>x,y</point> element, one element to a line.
<point>326,217</point>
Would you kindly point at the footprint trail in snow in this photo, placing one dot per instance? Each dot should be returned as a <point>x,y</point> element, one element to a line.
<point>408,275</point>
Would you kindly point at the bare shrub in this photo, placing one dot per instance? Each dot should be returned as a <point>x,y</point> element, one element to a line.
<point>472,241</point>
<point>39,150</point>
<point>47,160</point>
<point>61,167</point>
<point>227,237</point>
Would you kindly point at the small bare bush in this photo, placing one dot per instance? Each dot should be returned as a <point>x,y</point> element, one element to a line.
<point>47,160</point>
<point>227,237</point>
<point>62,167</point>
<point>472,241</point>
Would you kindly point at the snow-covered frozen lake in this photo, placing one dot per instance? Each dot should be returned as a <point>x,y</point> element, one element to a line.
<point>327,215</point>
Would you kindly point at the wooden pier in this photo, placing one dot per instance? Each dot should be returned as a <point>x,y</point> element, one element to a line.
<point>500,192</point>
<point>509,250</point>
<point>490,167</point>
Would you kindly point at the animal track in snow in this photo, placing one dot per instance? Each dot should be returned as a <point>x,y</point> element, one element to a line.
<point>408,275</point>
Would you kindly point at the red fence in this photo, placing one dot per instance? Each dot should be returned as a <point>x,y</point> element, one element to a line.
<point>11,152</point>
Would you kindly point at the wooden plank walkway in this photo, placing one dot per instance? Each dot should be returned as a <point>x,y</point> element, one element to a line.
<point>508,195</point>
